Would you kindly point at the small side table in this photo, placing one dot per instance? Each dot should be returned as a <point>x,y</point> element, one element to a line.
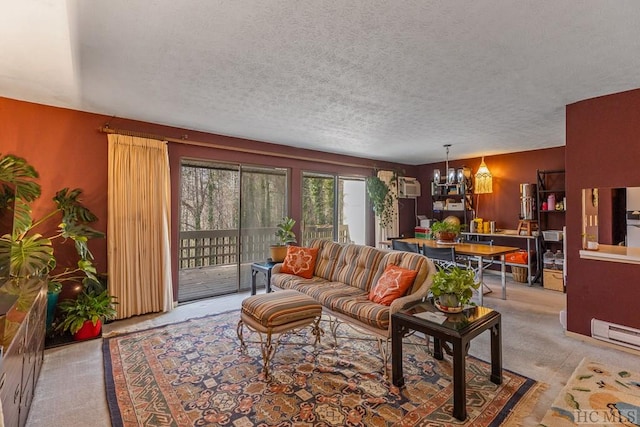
<point>459,329</point>
<point>261,267</point>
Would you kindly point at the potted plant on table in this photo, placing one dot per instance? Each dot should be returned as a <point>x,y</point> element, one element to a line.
<point>445,231</point>
<point>285,235</point>
<point>453,288</point>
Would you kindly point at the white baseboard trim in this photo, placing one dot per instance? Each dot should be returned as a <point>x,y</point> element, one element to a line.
<point>591,340</point>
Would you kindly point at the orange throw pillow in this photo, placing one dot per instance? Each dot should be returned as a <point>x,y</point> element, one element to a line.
<point>300,261</point>
<point>394,283</point>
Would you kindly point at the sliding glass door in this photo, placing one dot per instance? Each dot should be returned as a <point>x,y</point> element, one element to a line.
<point>334,208</point>
<point>263,205</point>
<point>228,215</point>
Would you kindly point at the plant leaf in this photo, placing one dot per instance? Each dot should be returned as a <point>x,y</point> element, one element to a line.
<point>18,172</point>
<point>72,208</point>
<point>21,218</point>
<point>30,256</point>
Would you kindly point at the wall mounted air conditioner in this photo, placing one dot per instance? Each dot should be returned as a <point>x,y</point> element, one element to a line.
<point>409,187</point>
<point>617,334</point>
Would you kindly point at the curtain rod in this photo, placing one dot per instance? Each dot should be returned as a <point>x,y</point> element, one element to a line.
<point>107,129</point>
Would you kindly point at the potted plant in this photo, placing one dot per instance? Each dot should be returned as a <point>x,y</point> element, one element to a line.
<point>285,235</point>
<point>445,231</point>
<point>453,287</point>
<point>25,252</point>
<point>83,316</point>
<point>381,198</point>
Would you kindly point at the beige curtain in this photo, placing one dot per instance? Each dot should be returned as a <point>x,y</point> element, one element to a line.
<point>138,226</point>
<point>392,229</point>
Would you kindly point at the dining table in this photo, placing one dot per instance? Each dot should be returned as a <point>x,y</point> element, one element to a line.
<point>476,251</point>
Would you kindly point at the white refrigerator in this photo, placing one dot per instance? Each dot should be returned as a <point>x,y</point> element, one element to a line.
<point>633,217</point>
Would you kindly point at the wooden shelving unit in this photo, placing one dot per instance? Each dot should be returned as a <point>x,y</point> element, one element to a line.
<point>552,218</point>
<point>459,193</point>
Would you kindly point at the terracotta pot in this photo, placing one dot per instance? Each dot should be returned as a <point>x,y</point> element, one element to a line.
<point>446,236</point>
<point>278,253</point>
<point>88,330</point>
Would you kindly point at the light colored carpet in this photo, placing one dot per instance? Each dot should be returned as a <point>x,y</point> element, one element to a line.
<point>597,394</point>
<point>71,390</point>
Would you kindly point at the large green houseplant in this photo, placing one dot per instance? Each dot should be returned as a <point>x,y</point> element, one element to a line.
<point>27,250</point>
<point>285,236</point>
<point>453,287</point>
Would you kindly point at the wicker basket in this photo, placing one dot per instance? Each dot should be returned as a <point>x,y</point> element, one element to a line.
<point>519,274</point>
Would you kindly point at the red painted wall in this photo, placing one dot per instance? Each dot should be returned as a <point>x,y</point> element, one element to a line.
<point>509,171</point>
<point>68,150</point>
<point>603,150</point>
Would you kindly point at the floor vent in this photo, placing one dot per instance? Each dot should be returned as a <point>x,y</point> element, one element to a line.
<point>617,334</point>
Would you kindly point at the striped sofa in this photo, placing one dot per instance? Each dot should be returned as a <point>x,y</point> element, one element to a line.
<point>343,277</point>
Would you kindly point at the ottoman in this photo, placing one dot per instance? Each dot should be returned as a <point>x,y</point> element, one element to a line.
<point>275,313</point>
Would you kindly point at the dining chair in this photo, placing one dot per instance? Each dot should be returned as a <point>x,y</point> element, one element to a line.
<point>443,257</point>
<point>398,245</point>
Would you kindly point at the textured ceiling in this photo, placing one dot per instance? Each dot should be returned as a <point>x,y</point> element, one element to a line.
<point>389,80</point>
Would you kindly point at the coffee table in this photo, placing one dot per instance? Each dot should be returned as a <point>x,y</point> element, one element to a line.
<point>458,330</point>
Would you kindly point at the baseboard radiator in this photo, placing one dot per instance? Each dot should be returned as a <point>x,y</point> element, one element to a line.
<point>616,334</point>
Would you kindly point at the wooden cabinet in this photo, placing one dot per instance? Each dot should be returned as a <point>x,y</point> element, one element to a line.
<point>22,343</point>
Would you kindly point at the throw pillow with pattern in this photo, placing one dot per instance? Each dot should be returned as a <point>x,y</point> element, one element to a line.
<point>394,283</point>
<point>300,261</point>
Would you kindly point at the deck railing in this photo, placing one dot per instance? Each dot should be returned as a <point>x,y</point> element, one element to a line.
<point>205,248</point>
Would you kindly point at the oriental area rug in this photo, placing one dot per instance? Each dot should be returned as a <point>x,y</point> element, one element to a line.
<point>193,374</point>
<point>597,394</point>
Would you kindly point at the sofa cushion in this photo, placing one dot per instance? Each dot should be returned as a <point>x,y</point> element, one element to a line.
<point>324,292</point>
<point>283,281</point>
<point>291,281</point>
<point>393,284</point>
<point>300,261</point>
<point>361,308</point>
<point>357,266</point>
<point>410,261</point>
<point>327,256</point>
